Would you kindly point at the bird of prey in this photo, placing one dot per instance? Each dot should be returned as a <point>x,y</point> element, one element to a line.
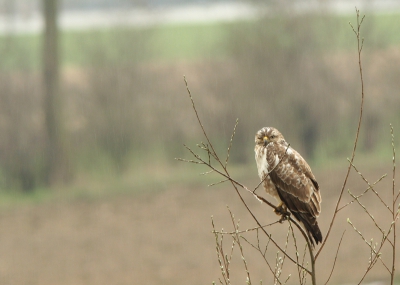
<point>287,177</point>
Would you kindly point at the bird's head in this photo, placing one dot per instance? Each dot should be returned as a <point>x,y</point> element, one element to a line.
<point>267,135</point>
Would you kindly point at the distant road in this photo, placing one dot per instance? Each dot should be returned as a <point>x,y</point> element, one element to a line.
<point>32,22</point>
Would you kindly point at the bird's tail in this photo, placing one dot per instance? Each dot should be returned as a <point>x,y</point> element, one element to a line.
<point>311,225</point>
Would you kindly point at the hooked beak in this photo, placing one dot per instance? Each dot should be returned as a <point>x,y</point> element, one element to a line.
<point>266,140</point>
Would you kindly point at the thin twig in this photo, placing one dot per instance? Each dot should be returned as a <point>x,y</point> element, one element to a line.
<point>188,160</point>
<point>359,48</point>
<point>377,253</point>
<point>363,193</point>
<point>366,211</point>
<point>282,259</point>
<point>220,252</point>
<point>237,239</point>
<point>370,186</point>
<point>207,172</point>
<point>395,215</point>
<point>297,251</point>
<point>197,115</point>
<point>304,276</point>
<point>219,182</point>
<point>230,143</point>
<point>336,255</point>
<point>276,270</point>
<point>262,254</point>
<point>245,231</point>
<point>287,279</point>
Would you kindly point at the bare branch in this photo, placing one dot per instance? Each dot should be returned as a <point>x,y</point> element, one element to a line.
<point>395,215</point>
<point>297,251</point>
<point>263,255</point>
<point>377,253</point>
<point>273,241</point>
<point>245,231</point>
<point>223,265</point>
<point>365,191</point>
<point>370,186</point>
<point>189,161</point>
<point>336,255</point>
<point>366,211</point>
<point>304,276</point>
<point>230,143</point>
<point>236,237</point>
<point>197,115</point>
<point>287,279</point>
<point>359,48</point>
<point>207,172</point>
<point>219,182</point>
<point>235,183</point>
<point>279,268</point>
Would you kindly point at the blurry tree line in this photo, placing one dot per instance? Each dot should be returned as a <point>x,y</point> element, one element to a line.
<point>281,70</point>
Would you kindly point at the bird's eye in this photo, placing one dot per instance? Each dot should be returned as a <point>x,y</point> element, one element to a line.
<point>272,136</point>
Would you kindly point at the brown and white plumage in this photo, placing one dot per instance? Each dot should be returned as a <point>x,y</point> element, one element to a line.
<point>291,181</point>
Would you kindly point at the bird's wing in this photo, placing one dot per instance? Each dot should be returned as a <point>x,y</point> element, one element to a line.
<point>296,186</point>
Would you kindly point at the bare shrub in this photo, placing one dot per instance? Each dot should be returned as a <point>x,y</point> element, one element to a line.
<point>306,267</point>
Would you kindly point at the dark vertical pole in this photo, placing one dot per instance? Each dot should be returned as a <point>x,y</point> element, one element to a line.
<point>55,156</point>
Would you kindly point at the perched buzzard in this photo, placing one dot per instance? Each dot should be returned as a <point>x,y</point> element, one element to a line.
<point>290,182</point>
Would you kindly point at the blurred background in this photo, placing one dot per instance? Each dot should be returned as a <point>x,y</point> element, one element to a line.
<point>94,109</point>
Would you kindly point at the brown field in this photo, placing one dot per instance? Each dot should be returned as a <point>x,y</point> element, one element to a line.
<point>130,215</point>
<point>165,238</point>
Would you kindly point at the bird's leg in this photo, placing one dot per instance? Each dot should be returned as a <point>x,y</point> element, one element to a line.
<point>282,211</point>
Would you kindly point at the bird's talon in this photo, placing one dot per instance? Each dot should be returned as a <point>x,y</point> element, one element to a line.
<point>282,211</point>
<point>284,218</point>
